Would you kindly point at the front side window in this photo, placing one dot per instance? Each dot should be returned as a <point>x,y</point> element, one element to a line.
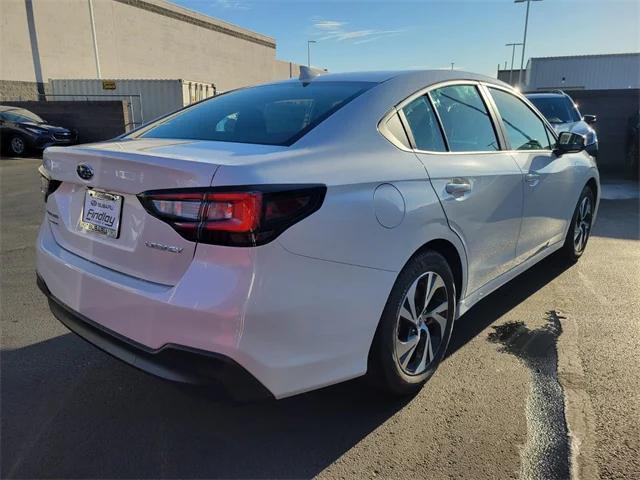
<point>465,119</point>
<point>424,125</point>
<point>525,131</point>
<point>277,114</point>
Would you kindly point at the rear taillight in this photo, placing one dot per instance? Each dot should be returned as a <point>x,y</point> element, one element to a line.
<point>236,216</point>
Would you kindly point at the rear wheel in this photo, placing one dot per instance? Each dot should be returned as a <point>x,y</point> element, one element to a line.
<point>415,326</point>
<point>580,228</point>
<point>17,145</point>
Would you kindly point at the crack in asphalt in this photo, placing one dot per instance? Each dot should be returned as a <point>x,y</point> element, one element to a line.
<point>547,452</point>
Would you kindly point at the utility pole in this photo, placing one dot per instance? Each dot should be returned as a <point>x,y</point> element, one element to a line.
<point>309,42</point>
<point>524,39</point>
<point>513,54</point>
<point>452,64</point>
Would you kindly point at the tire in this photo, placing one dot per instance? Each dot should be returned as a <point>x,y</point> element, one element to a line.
<point>390,367</point>
<point>17,145</point>
<point>580,228</point>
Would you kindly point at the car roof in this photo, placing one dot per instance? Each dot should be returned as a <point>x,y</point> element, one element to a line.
<point>425,77</point>
<point>545,94</point>
<point>6,108</point>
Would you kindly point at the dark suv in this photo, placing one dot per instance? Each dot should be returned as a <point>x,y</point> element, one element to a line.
<point>563,114</point>
<point>23,130</point>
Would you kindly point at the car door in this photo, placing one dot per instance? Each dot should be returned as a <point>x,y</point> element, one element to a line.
<point>549,185</point>
<point>479,186</point>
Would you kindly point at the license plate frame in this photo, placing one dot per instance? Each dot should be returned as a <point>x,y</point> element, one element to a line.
<point>107,216</point>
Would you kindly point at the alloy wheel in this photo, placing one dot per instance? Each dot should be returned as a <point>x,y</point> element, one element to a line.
<point>17,145</point>
<point>582,226</point>
<point>421,323</point>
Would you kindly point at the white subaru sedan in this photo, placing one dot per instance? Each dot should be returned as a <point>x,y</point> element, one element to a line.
<point>289,236</point>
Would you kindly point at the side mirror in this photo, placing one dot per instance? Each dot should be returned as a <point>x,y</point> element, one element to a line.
<point>590,119</point>
<point>569,142</point>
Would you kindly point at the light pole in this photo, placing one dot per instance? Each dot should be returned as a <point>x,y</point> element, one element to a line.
<point>513,54</point>
<point>524,40</point>
<point>309,42</point>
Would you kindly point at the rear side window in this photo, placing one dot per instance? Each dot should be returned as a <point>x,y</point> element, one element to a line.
<point>525,131</point>
<point>465,119</point>
<point>276,114</point>
<point>424,125</point>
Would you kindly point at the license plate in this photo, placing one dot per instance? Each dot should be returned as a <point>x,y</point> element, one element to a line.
<point>101,213</point>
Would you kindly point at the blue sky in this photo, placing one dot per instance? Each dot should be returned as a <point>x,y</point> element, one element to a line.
<point>374,35</point>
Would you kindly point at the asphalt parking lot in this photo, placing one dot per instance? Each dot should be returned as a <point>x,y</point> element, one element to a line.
<point>541,381</point>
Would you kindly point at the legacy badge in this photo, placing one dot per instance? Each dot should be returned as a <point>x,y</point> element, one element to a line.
<point>163,247</point>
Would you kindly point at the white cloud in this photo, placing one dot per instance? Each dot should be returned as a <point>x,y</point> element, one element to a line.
<point>335,30</point>
<point>232,4</point>
<point>328,25</point>
<point>382,34</point>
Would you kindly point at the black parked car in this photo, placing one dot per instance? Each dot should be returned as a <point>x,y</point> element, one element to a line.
<point>23,130</point>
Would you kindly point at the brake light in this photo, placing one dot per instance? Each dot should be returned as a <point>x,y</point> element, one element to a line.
<point>238,216</point>
<point>232,212</point>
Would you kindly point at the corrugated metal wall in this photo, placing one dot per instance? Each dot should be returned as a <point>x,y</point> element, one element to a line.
<point>148,99</point>
<point>588,72</point>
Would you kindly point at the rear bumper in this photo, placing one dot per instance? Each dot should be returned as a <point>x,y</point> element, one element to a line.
<point>294,323</point>
<point>172,362</point>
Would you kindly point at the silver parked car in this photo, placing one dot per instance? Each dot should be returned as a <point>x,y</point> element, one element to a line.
<point>297,234</point>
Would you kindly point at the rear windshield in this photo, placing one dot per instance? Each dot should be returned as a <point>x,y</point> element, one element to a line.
<point>276,114</point>
<point>556,109</point>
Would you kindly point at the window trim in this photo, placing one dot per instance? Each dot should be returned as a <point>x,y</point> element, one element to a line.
<point>383,128</point>
<point>439,120</point>
<point>494,114</point>
<point>426,92</point>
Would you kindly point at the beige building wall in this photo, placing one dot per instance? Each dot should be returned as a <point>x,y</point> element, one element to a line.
<point>42,39</point>
<point>284,69</point>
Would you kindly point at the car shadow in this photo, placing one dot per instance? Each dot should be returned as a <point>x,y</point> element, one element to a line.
<point>507,297</point>
<point>70,411</point>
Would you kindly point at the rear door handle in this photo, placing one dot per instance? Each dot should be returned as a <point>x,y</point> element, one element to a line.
<point>532,178</point>
<point>458,186</point>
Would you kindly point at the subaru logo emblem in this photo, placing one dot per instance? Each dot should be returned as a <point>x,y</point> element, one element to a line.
<point>85,171</point>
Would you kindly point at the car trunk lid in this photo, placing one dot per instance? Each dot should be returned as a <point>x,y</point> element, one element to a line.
<point>106,178</point>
